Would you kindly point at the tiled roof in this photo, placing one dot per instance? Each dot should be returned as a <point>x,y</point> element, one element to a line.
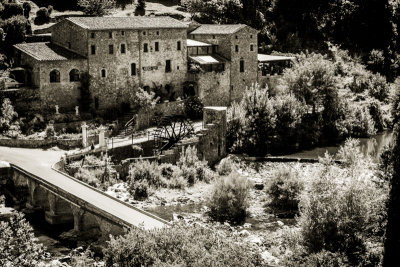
<point>47,52</point>
<point>110,23</point>
<point>218,29</point>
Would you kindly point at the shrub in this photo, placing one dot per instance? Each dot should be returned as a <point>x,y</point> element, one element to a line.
<point>97,8</point>
<point>192,168</point>
<point>323,258</point>
<point>140,9</point>
<point>229,199</point>
<point>139,190</point>
<point>225,166</point>
<point>177,182</point>
<point>375,110</point>
<point>42,16</point>
<point>341,210</point>
<point>194,108</point>
<point>50,132</point>
<point>284,189</point>
<point>235,124</point>
<point>174,246</point>
<point>88,177</point>
<point>379,88</point>
<point>143,170</point>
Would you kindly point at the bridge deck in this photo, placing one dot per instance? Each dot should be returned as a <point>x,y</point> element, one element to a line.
<point>39,162</point>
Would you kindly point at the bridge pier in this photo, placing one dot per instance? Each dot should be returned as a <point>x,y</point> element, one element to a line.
<point>59,210</point>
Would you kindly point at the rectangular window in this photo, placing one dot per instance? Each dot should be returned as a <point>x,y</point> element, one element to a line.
<point>103,73</point>
<point>178,45</point>
<point>156,46</point>
<point>69,45</point>
<point>251,48</point>
<point>158,33</point>
<point>145,47</point>
<point>123,33</point>
<point>111,49</point>
<point>123,49</point>
<point>93,49</point>
<point>236,48</point>
<point>109,34</point>
<point>241,65</point>
<point>133,69</point>
<point>92,35</point>
<point>168,65</point>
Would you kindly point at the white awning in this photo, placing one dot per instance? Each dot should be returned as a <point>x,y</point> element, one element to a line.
<point>270,58</point>
<point>194,43</point>
<point>208,59</point>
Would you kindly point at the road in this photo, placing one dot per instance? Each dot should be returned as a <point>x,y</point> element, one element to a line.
<point>39,162</point>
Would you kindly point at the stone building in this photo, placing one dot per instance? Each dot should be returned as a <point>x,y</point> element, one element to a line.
<point>216,62</point>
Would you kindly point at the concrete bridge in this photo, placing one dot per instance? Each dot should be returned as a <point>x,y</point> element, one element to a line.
<point>66,200</point>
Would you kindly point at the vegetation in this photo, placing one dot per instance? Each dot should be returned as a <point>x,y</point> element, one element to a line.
<point>174,246</point>
<point>225,166</point>
<point>18,245</point>
<point>194,108</point>
<point>42,16</point>
<point>145,176</point>
<point>140,9</point>
<point>320,99</point>
<point>284,190</point>
<point>8,124</point>
<point>229,199</point>
<point>96,7</point>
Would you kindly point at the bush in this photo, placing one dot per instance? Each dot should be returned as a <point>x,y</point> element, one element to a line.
<point>88,177</point>
<point>143,170</point>
<point>323,259</point>
<point>379,88</point>
<point>194,108</point>
<point>229,199</point>
<point>50,132</point>
<point>375,110</point>
<point>193,169</point>
<point>174,246</point>
<point>139,190</point>
<point>342,209</point>
<point>225,166</point>
<point>284,189</point>
<point>42,16</point>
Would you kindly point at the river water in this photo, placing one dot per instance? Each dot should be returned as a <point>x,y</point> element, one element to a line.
<point>372,146</point>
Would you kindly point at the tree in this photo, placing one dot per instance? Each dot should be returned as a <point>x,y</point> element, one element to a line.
<point>7,115</point>
<point>42,16</point>
<point>392,242</point>
<point>18,245</point>
<point>260,120</point>
<point>11,10</point>
<point>96,7</point>
<point>215,11</point>
<point>16,29</point>
<point>27,9</point>
<point>140,8</point>
<point>85,99</point>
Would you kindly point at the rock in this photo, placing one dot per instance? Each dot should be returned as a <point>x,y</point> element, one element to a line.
<point>65,259</point>
<point>267,256</point>
<point>256,240</point>
<point>79,249</point>
<point>280,223</point>
<point>183,199</point>
<point>247,225</point>
<point>55,263</point>
<point>259,186</point>
<point>227,224</point>
<point>244,233</point>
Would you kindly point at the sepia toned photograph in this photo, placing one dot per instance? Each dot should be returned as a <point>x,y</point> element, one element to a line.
<point>199,133</point>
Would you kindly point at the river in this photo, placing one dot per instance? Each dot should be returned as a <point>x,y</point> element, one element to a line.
<point>372,146</point>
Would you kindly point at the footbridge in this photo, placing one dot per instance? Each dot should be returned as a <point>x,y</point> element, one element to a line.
<point>67,200</point>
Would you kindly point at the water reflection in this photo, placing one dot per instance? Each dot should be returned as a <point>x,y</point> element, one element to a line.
<point>372,146</point>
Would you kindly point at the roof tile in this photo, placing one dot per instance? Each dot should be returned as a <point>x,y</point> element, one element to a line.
<point>112,23</point>
<point>47,52</point>
<point>218,28</point>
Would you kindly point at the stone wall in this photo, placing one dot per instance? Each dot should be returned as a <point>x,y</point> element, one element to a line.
<point>241,80</point>
<point>46,143</point>
<point>70,36</point>
<point>120,84</point>
<point>146,119</point>
<point>213,87</point>
<point>65,94</point>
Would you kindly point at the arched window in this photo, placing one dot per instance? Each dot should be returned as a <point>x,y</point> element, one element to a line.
<point>74,75</point>
<point>54,76</point>
<point>103,73</point>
